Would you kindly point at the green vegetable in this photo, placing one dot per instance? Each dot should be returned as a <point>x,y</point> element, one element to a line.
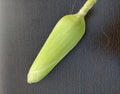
<point>63,38</point>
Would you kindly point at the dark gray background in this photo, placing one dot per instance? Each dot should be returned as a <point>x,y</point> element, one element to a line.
<point>92,67</point>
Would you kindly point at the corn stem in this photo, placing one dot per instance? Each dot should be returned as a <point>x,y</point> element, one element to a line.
<point>86,7</point>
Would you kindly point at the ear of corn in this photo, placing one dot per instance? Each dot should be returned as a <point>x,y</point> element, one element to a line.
<point>65,35</point>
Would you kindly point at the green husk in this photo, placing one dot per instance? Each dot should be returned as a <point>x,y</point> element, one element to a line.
<point>63,38</point>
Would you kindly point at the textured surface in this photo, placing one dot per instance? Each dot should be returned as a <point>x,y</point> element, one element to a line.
<point>93,67</point>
